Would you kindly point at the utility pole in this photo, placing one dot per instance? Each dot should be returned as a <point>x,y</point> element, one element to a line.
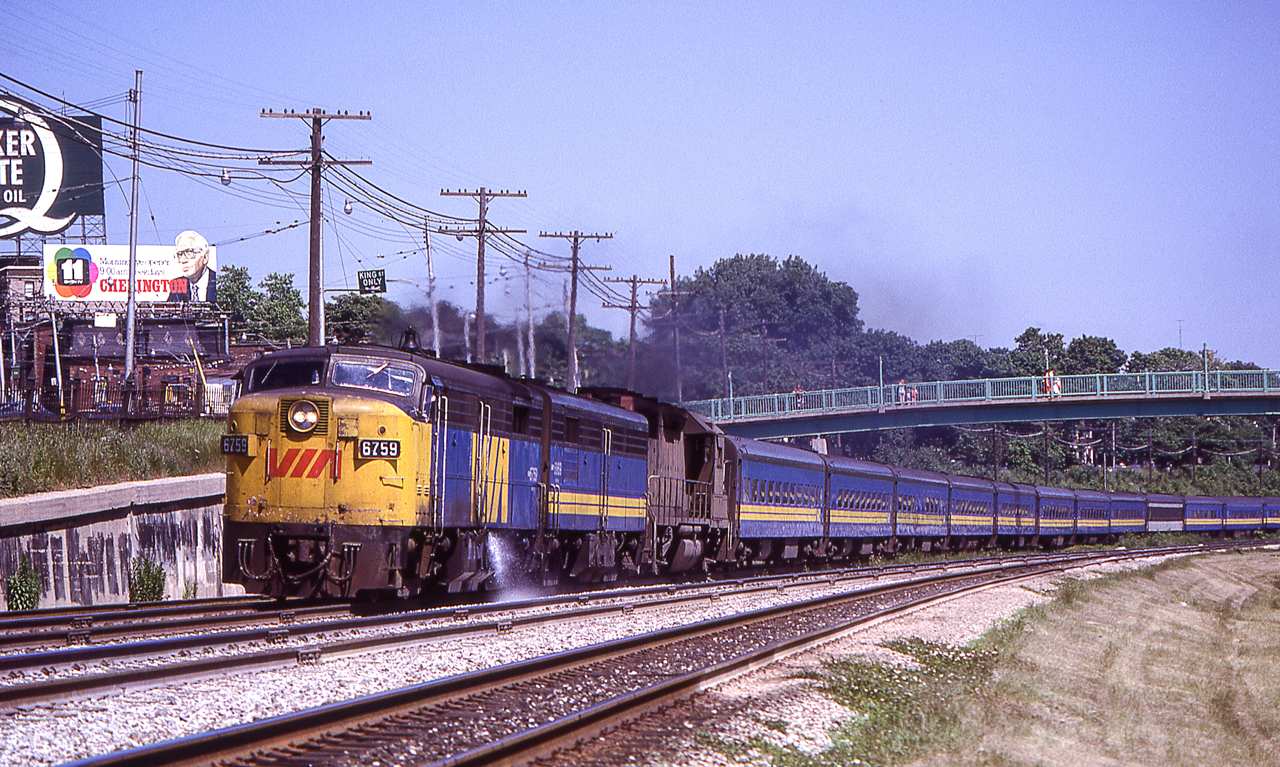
<point>765,341</point>
<point>724,358</point>
<point>1151,458</point>
<point>131,309</point>
<point>431,287</point>
<point>482,196</point>
<point>675,323</point>
<point>995,454</point>
<point>633,307</point>
<point>1194,459</point>
<point>1045,449</point>
<point>575,238</point>
<point>528,310</point>
<point>315,264</point>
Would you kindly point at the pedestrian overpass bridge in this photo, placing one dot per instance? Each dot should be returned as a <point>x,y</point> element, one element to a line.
<point>997,400</point>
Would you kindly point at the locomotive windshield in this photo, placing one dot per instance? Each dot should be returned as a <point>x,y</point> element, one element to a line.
<point>284,374</point>
<point>377,375</point>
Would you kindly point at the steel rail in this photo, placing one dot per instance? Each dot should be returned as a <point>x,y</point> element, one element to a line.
<point>293,728</point>
<point>598,720</point>
<point>122,624</point>
<point>50,616</point>
<point>87,685</point>
<point>287,619</point>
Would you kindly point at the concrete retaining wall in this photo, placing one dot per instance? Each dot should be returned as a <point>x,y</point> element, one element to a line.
<point>82,541</point>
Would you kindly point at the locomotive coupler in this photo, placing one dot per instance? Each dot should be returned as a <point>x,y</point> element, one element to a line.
<point>321,566</point>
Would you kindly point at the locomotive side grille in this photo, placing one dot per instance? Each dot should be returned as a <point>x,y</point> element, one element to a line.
<point>322,406</point>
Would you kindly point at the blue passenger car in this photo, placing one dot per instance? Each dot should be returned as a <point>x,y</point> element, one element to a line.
<point>1093,513</point>
<point>1204,514</point>
<point>860,498</point>
<point>972,511</point>
<point>921,511</point>
<point>1056,514</point>
<point>1271,513</point>
<point>1242,513</point>
<point>1016,504</point>
<point>780,490</point>
<point>1128,513</point>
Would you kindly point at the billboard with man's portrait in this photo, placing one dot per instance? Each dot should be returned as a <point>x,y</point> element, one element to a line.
<point>186,271</point>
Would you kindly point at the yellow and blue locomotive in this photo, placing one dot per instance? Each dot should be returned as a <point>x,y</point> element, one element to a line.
<point>364,469</point>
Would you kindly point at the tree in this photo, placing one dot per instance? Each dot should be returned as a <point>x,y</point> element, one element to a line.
<point>237,297</point>
<point>1029,356</point>
<point>279,313</point>
<point>963,360</point>
<point>1093,354</point>
<point>786,316</point>
<point>792,299</point>
<point>353,318</point>
<point>1167,359</point>
<point>602,359</point>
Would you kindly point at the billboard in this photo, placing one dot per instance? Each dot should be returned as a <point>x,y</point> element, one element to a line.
<point>187,271</point>
<point>50,169</point>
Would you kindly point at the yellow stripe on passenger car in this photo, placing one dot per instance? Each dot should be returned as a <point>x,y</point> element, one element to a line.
<point>762,513</point>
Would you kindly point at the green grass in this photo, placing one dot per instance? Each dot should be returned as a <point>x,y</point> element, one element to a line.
<point>902,711</point>
<point>905,712</point>
<point>37,457</point>
<point>22,588</point>
<point>146,580</point>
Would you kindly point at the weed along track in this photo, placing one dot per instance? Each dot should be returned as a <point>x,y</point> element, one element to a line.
<point>513,712</point>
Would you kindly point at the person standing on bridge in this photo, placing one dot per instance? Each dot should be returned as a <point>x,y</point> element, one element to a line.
<point>1052,384</point>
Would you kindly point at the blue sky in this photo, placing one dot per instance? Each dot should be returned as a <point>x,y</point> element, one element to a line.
<point>971,169</point>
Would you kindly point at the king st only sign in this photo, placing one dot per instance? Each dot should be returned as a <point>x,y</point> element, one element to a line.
<point>372,281</point>
<point>50,169</point>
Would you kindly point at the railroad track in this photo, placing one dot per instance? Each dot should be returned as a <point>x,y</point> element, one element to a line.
<point>508,714</point>
<point>37,629</point>
<point>90,670</point>
<point>79,626</point>
<point>276,639</point>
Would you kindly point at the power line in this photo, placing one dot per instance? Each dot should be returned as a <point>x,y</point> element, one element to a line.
<point>482,196</point>
<point>315,296</point>
<point>575,238</point>
<point>633,307</point>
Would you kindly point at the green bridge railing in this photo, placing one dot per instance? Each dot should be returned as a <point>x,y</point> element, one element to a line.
<point>1033,389</point>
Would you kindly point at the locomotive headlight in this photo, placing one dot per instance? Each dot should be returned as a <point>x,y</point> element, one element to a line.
<point>303,416</point>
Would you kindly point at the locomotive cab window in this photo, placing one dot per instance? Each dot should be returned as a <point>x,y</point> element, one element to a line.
<point>284,375</point>
<point>378,376</point>
<point>519,419</point>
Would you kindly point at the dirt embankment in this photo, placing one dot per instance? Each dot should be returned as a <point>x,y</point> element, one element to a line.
<point>1180,666</point>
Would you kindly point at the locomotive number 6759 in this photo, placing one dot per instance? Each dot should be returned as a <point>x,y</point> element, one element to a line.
<point>379,448</point>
